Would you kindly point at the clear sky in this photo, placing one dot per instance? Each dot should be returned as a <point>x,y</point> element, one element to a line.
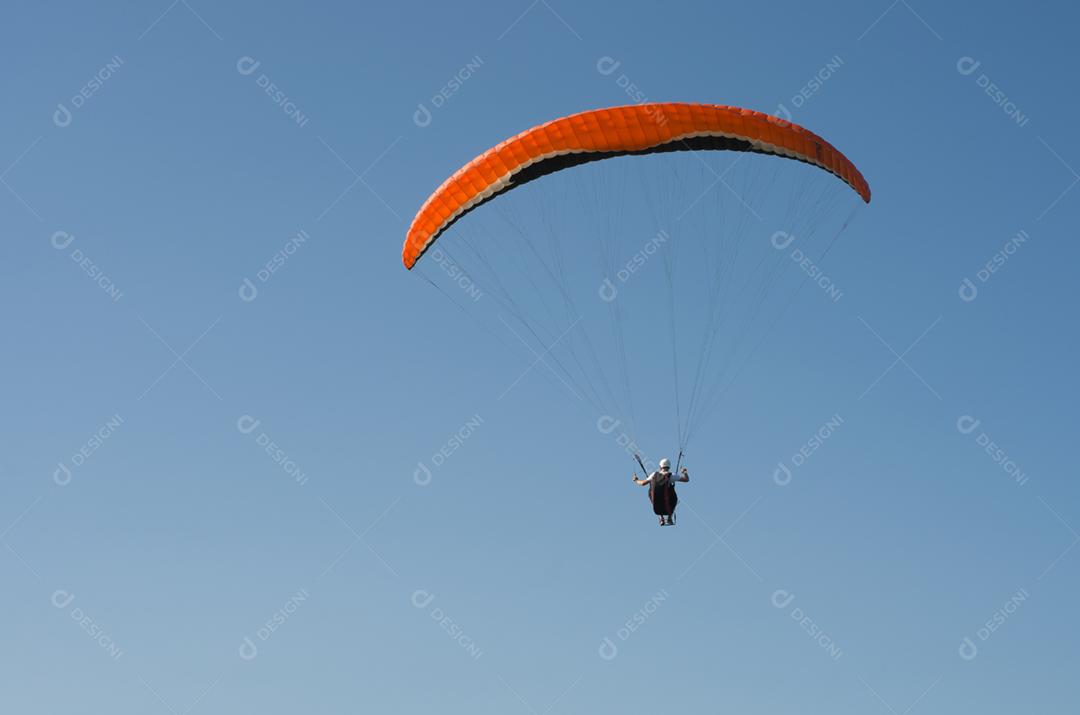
<point>211,492</point>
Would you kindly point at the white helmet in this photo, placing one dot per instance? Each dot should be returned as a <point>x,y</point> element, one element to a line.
<point>665,465</point>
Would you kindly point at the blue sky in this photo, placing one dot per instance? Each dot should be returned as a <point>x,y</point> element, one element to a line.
<point>209,494</point>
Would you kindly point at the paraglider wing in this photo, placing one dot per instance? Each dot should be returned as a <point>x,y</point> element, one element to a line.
<point>616,131</point>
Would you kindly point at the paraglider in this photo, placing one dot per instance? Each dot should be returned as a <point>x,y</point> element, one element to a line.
<point>559,262</point>
<point>605,133</point>
<point>662,493</point>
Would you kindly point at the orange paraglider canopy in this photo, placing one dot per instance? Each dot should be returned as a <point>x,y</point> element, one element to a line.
<point>602,133</point>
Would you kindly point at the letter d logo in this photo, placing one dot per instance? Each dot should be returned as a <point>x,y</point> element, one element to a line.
<point>968,292</point>
<point>782,598</point>
<point>62,116</point>
<point>967,65</point>
<point>62,475</point>
<point>782,475</point>
<point>608,650</point>
<point>422,475</point>
<point>247,424</point>
<point>422,116</point>
<point>248,649</point>
<point>606,65</point>
<point>967,424</point>
<point>248,292</point>
<point>782,239</point>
